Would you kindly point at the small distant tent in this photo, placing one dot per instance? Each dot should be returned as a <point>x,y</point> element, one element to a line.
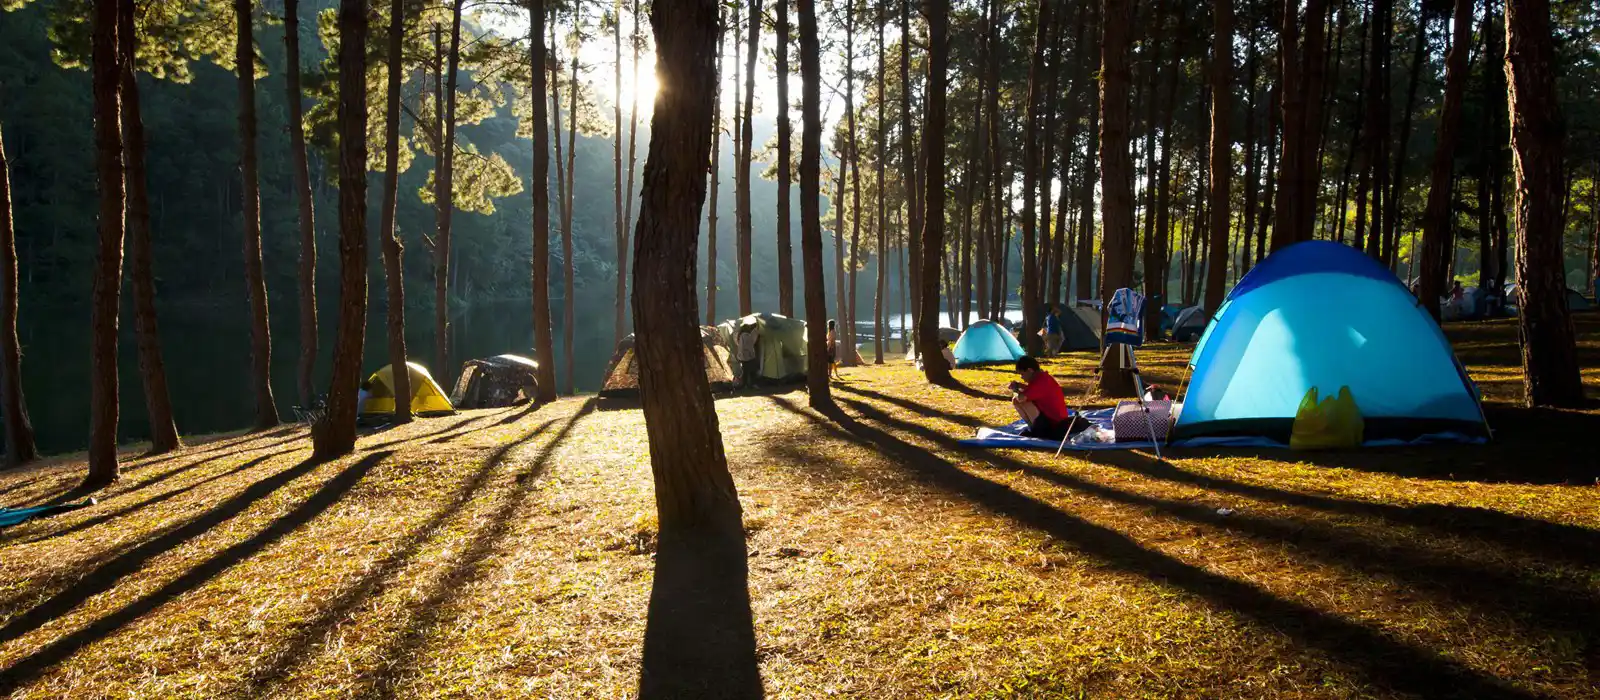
<point>1189,324</point>
<point>1283,331</point>
<point>986,342</point>
<point>427,399</point>
<point>1169,316</point>
<point>622,374</point>
<point>1080,330</point>
<point>496,382</point>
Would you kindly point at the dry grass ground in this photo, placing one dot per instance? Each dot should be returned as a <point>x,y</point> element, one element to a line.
<point>508,554</point>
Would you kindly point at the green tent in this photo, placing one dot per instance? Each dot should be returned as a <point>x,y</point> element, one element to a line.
<point>780,345</point>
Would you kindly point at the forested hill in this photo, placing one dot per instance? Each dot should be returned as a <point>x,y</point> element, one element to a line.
<point>194,181</point>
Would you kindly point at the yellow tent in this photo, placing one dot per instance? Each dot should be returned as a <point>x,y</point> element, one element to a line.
<point>426,396</point>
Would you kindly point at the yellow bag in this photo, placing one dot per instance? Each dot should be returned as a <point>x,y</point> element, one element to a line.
<point>1327,425</point>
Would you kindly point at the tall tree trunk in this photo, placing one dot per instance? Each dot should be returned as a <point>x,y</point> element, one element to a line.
<point>1031,176</point>
<point>1152,249</point>
<point>307,219</point>
<point>633,148</point>
<point>1436,220</point>
<point>908,162</point>
<point>20,446</point>
<point>336,435</point>
<point>700,638</point>
<point>444,201</point>
<point>1156,281</point>
<point>811,207</point>
<point>543,337</point>
<point>1397,189</point>
<point>1378,118</point>
<point>1221,199</point>
<point>785,147</point>
<point>882,228</point>
<point>1047,139</point>
<point>840,305</point>
<point>1269,195</point>
<point>934,366</point>
<point>569,320</point>
<point>393,252</point>
<point>1301,72</point>
<point>1086,203</point>
<point>847,322</point>
<point>981,166</point>
<point>1116,179</point>
<point>716,179</point>
<point>1252,182</point>
<point>618,325</point>
<point>255,279</point>
<point>1489,173</point>
<point>1549,349</point>
<point>746,147</point>
<point>152,370</point>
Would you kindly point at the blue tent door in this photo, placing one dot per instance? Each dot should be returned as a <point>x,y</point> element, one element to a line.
<point>1324,315</point>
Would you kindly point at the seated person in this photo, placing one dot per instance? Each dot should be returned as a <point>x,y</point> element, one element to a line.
<point>949,355</point>
<point>1039,401</point>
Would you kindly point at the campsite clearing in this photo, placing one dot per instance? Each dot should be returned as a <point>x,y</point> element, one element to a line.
<point>507,553</point>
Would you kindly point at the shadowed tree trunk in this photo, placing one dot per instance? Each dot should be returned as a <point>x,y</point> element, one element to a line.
<point>811,208</point>
<point>1031,176</point>
<point>716,181</point>
<point>840,305</point>
<point>569,317</point>
<point>255,279</point>
<point>700,639</point>
<point>1084,289</point>
<point>1436,220</point>
<point>1301,73</point>
<point>1252,173</point>
<point>1269,194</point>
<point>785,148</point>
<point>307,220</point>
<point>633,162</point>
<point>336,434</point>
<point>1157,282</point>
<point>1488,173</point>
<point>934,366</point>
<point>444,200</point>
<point>847,320</point>
<point>20,446</point>
<point>1221,204</point>
<point>742,175</point>
<point>152,370</point>
<point>882,230</point>
<point>1549,352</point>
<point>1116,163</point>
<point>1151,249</point>
<point>393,265</point>
<point>1397,189</point>
<point>618,323</point>
<point>103,468</point>
<point>908,165</point>
<point>544,338</point>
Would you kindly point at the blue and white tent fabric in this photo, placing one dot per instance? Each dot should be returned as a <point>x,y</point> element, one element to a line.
<point>985,342</point>
<point>1125,318</point>
<point>1320,314</point>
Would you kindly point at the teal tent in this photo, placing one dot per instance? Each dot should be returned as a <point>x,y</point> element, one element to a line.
<point>986,342</point>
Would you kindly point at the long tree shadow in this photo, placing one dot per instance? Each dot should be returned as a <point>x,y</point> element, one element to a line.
<point>31,666</point>
<point>442,603</point>
<point>462,424</point>
<point>377,578</point>
<point>1572,544</point>
<point>112,515</point>
<point>699,638</point>
<point>1381,659</point>
<point>1543,601</point>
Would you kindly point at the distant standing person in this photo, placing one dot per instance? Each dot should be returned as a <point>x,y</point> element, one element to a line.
<point>833,350</point>
<point>1039,401</point>
<point>745,346</point>
<point>1052,332</point>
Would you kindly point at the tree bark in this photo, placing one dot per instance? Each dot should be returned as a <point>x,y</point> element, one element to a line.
<point>336,435</point>
<point>1151,250</point>
<point>1398,187</point>
<point>569,319</point>
<point>1086,204</point>
<point>152,370</point>
<point>882,229</point>
<point>307,365</point>
<point>934,366</point>
<point>716,180</point>
<point>811,208</point>
<point>544,340</point>
<point>1436,220</point>
<point>747,141</point>
<point>393,252</point>
<point>840,305</point>
<point>1269,195</point>
<point>255,279</point>
<point>1116,179</point>
<point>20,445</point>
<point>908,162</point>
<point>1549,349</point>
<point>1156,281</point>
<point>619,325</point>
<point>847,320</point>
<point>444,201</point>
<point>1252,181</point>
<point>633,152</point>
<point>1378,121</point>
<point>1031,167</point>
<point>785,174</point>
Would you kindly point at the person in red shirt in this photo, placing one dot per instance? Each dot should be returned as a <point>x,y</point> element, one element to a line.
<point>1039,401</point>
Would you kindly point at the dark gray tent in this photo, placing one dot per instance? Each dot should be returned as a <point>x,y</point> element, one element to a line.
<point>1080,329</point>
<point>1190,324</point>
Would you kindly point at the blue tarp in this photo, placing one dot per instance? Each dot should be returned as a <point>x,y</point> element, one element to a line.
<point>984,342</point>
<point>1320,314</point>
<point>16,516</point>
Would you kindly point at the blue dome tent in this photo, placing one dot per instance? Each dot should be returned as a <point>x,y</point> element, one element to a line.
<point>1323,315</point>
<point>984,342</point>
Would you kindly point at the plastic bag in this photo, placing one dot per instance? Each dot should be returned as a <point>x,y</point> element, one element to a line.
<point>1327,425</point>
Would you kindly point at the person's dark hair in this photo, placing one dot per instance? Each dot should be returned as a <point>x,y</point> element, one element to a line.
<point>832,324</point>
<point>1026,362</point>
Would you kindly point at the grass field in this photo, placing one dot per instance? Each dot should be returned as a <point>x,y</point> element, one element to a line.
<point>509,554</point>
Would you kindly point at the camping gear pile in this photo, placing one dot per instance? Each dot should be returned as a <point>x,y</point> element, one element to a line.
<point>427,399</point>
<point>1314,319</point>
<point>496,382</point>
<point>622,373</point>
